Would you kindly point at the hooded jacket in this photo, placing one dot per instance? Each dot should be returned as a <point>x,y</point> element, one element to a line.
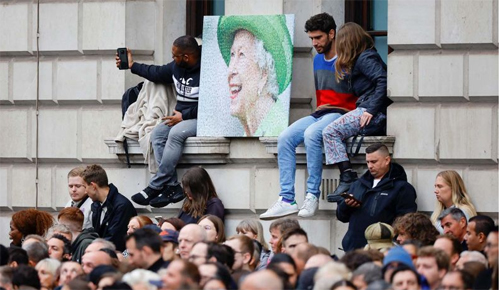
<point>185,80</point>
<point>392,197</point>
<point>81,243</point>
<point>369,82</point>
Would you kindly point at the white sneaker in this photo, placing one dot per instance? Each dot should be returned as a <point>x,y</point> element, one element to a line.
<point>279,209</point>
<point>310,206</point>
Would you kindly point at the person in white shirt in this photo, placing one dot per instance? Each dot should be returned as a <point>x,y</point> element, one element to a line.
<point>79,197</point>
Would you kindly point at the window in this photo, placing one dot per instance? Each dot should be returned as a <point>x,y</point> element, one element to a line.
<point>372,16</point>
<point>196,9</point>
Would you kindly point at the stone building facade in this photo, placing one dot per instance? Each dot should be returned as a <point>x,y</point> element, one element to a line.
<point>443,77</point>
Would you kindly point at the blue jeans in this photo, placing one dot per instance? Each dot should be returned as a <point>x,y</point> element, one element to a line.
<point>168,143</point>
<point>308,130</point>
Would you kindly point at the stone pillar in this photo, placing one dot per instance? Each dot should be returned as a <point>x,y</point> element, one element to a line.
<point>443,77</point>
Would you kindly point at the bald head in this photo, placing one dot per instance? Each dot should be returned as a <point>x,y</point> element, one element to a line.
<point>188,236</point>
<point>261,280</point>
<point>303,252</point>
<point>94,259</point>
<point>318,261</point>
<point>99,244</point>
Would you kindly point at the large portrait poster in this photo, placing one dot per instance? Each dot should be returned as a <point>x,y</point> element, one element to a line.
<point>246,73</point>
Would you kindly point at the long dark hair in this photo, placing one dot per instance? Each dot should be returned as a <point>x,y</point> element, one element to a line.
<point>202,189</point>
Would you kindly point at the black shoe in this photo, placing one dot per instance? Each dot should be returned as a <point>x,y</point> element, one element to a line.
<point>346,179</point>
<point>171,194</point>
<point>146,195</point>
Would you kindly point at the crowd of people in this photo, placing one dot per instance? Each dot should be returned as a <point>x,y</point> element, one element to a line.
<point>191,250</point>
<point>99,242</point>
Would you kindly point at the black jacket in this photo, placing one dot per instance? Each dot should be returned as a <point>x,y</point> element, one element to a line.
<point>392,197</point>
<point>115,222</point>
<point>186,81</point>
<point>214,207</point>
<point>369,82</point>
<point>81,243</point>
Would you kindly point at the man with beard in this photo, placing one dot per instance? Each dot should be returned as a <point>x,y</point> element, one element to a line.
<point>333,100</point>
<point>168,137</point>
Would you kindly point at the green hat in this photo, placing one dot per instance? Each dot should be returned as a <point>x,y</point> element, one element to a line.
<point>273,32</point>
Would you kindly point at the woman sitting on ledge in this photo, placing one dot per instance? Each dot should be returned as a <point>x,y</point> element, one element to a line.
<point>357,60</point>
<point>201,197</point>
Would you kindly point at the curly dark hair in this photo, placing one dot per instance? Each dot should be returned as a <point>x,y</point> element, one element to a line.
<point>417,226</point>
<point>32,221</point>
<point>323,22</point>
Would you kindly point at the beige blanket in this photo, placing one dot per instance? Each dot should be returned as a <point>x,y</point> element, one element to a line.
<point>155,101</point>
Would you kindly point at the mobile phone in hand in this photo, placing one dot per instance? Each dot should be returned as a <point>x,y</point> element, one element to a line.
<point>346,195</point>
<point>122,54</point>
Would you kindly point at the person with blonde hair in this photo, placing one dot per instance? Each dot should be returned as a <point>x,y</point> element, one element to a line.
<point>450,192</point>
<point>253,229</point>
<point>359,63</point>
<point>78,195</point>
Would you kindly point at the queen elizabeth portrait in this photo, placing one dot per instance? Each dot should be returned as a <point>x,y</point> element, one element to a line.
<point>250,94</point>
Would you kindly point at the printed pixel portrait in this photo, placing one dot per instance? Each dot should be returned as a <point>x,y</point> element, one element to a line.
<point>246,73</point>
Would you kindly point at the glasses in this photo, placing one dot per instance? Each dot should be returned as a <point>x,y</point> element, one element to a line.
<point>207,227</point>
<point>239,252</point>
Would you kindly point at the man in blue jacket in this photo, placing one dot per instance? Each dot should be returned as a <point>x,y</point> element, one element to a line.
<point>380,195</point>
<point>111,211</point>
<point>168,137</point>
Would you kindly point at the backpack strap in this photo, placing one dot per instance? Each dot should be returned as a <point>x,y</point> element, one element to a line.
<point>125,147</point>
<point>361,136</point>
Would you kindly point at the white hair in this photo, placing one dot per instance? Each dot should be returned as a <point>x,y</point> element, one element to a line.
<point>141,277</point>
<point>266,62</point>
<point>329,274</point>
<point>474,256</point>
<point>51,265</point>
<point>58,228</point>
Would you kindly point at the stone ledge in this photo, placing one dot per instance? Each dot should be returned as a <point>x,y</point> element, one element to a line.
<point>215,150</point>
<point>271,144</point>
<point>197,150</point>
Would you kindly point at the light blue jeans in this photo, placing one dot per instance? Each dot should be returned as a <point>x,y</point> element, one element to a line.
<point>168,143</point>
<point>308,130</point>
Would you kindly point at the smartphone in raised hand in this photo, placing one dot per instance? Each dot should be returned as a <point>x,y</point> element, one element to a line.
<point>122,54</point>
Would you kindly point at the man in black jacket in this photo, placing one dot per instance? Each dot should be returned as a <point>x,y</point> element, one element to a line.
<point>379,195</point>
<point>168,137</point>
<point>111,211</point>
<point>144,250</point>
